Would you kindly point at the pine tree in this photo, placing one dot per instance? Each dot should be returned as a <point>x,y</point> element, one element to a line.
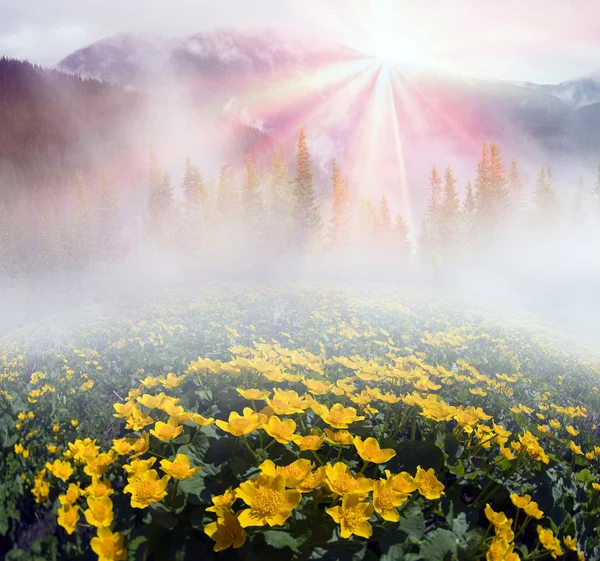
<point>161,206</point>
<point>546,198</point>
<point>280,201</point>
<point>402,236</point>
<point>469,207</point>
<point>226,199</point>
<point>482,185</point>
<point>449,213</point>
<point>308,221</point>
<point>340,208</point>
<point>430,227</point>
<point>252,199</point>
<point>515,188</point>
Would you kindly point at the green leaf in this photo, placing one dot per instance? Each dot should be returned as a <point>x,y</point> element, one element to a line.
<point>280,539</point>
<point>412,522</point>
<point>585,476</point>
<point>440,545</point>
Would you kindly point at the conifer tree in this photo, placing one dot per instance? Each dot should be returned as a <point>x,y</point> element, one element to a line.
<point>161,206</point>
<point>430,225</point>
<point>515,188</point>
<point>469,202</point>
<point>252,199</point>
<point>308,221</point>
<point>546,198</point>
<point>226,199</point>
<point>340,208</point>
<point>577,211</point>
<point>402,233</point>
<point>449,213</point>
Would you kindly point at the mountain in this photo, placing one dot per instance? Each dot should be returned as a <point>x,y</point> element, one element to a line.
<point>276,84</point>
<point>576,93</point>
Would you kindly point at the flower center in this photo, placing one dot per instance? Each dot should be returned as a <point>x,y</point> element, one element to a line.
<point>146,489</point>
<point>268,502</point>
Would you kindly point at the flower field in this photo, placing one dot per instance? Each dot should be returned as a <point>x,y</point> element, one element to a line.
<point>306,422</point>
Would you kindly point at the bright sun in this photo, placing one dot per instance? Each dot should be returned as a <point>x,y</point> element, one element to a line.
<point>393,52</point>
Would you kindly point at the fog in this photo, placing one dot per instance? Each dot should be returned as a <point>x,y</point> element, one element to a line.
<point>524,258</point>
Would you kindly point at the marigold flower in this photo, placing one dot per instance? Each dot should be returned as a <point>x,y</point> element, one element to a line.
<point>520,502</point>
<point>339,417</point>
<point>68,516</point>
<point>98,488</point>
<point>224,501</point>
<point>147,488</point>
<point>402,482</point>
<point>18,448</point>
<point>293,473</point>
<point>138,467</point>
<point>533,510</point>
<point>496,518</point>
<point>201,421</point>
<point>312,480</point>
<point>167,431</point>
<point>140,445</point>
<point>386,499</point>
<point>239,425</point>
<point>253,394</point>
<point>25,454</point>
<point>268,500</point>
<point>574,448</point>
<point>123,410</point>
<point>311,441</point>
<point>572,430</point>
<point>549,542</point>
<point>150,382</point>
<point>370,451</point>
<point>427,483</point>
<point>501,550</point>
<point>172,381</point>
<point>99,512</point>
<point>353,517</point>
<point>226,532</point>
<point>72,494</point>
<point>122,445</point>
<point>570,543</point>
<point>281,431</point>
<point>338,438</point>
<point>341,481</point>
<point>61,470</point>
<point>179,468</point>
<point>108,546</point>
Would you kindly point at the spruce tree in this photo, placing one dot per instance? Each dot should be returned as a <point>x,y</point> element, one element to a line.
<point>401,233</point>
<point>306,216</point>
<point>340,208</point>
<point>108,219</point>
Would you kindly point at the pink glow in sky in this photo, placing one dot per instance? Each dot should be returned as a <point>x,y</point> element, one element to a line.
<point>541,41</point>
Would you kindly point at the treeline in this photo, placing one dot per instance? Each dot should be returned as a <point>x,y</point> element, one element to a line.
<point>244,218</point>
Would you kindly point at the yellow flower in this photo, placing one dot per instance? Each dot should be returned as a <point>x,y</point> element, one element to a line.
<point>548,540</point>
<point>386,499</point>
<point>68,516</point>
<point>353,517</point>
<point>574,448</point>
<point>239,425</point>
<point>338,438</point>
<point>520,502</point>
<point>74,423</point>
<point>151,401</point>
<point>61,470</point>
<point>596,486</point>
<point>268,500</point>
<point>281,431</point>
<point>570,543</point>
<point>341,481</point>
<point>18,448</point>
<point>122,446</point>
<point>98,488</point>
<point>72,494</point>
<point>167,431</point>
<point>554,424</point>
<point>52,448</point>
<point>370,451</point>
<point>138,467</point>
<point>56,427</point>
<point>202,421</point>
<point>108,546</point>
<point>507,453</point>
<point>339,417</point>
<point>140,445</point>
<point>572,431</point>
<point>180,468</point>
<point>226,532</point>
<point>123,410</point>
<point>150,382</point>
<point>427,483</point>
<point>533,510</point>
<point>224,501</point>
<point>147,488</point>
<point>402,483</point>
<point>500,550</point>
<point>253,394</point>
<point>25,454</point>
<point>293,473</point>
<point>590,455</point>
<point>311,441</point>
<point>498,519</point>
<point>172,381</point>
<point>99,512</point>
<point>312,480</point>
<point>96,467</point>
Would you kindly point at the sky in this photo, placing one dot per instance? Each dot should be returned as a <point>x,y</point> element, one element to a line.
<point>544,41</point>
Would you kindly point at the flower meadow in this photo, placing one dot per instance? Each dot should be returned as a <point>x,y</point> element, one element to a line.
<point>314,423</point>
